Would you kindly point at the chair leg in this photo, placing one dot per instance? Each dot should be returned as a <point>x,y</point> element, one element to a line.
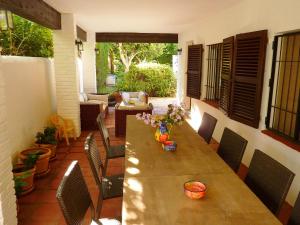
<point>74,135</point>
<point>105,167</point>
<point>99,206</point>
<point>67,138</point>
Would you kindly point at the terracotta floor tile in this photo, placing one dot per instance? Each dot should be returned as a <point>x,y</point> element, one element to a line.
<point>47,212</point>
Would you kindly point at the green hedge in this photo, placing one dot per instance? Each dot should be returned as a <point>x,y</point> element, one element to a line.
<point>156,79</point>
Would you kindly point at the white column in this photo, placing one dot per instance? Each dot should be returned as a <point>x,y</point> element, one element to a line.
<point>89,64</point>
<point>66,73</point>
<point>8,211</point>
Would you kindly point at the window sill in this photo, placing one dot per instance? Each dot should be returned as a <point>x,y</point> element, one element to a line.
<point>214,104</point>
<point>281,139</point>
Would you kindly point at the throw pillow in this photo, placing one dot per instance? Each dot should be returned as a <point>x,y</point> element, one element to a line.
<point>125,97</point>
<point>142,97</point>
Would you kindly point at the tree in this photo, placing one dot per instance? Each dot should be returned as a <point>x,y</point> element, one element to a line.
<point>27,39</point>
<point>134,53</point>
<point>169,49</point>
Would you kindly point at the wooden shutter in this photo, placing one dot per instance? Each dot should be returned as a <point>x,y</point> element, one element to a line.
<point>248,72</point>
<point>226,73</point>
<point>194,71</point>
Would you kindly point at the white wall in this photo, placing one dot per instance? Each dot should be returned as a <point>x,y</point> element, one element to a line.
<point>29,98</point>
<point>89,64</point>
<point>246,16</point>
<point>8,213</point>
<point>66,71</point>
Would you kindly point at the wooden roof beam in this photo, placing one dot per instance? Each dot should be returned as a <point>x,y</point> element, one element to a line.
<point>35,10</point>
<point>137,37</point>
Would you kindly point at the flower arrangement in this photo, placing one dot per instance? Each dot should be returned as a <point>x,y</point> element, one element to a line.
<point>175,115</point>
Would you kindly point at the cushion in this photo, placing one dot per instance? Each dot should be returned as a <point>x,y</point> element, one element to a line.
<point>83,97</point>
<point>103,98</point>
<point>137,106</point>
<point>133,94</point>
<point>133,100</point>
<point>125,97</point>
<point>141,96</point>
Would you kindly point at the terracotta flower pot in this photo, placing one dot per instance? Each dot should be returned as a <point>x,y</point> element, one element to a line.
<point>42,163</point>
<point>51,147</point>
<point>25,175</point>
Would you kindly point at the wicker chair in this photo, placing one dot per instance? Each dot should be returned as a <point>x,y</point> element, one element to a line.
<point>207,127</point>
<point>74,198</point>
<point>269,180</point>
<point>64,127</point>
<point>109,186</point>
<point>112,151</point>
<point>232,148</point>
<point>295,217</point>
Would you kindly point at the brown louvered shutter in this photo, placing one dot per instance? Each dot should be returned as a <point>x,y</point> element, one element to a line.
<point>226,73</point>
<point>194,71</point>
<point>248,72</point>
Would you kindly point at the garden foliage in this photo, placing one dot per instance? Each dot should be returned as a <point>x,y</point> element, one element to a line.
<point>155,79</point>
<point>27,39</point>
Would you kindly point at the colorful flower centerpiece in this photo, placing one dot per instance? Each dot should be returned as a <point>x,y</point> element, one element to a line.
<point>164,124</point>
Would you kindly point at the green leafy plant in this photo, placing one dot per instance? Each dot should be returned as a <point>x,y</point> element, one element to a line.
<point>20,183</point>
<point>46,137</point>
<point>156,79</point>
<point>27,39</point>
<point>31,159</point>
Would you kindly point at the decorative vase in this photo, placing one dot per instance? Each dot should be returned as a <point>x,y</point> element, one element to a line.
<point>162,133</point>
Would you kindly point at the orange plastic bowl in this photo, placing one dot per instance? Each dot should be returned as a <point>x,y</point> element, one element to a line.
<point>194,189</point>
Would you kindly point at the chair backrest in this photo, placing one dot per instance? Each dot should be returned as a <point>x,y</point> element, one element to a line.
<point>57,121</point>
<point>104,132</point>
<point>269,180</point>
<point>73,196</point>
<point>295,217</point>
<point>207,127</point>
<point>93,155</point>
<point>232,148</point>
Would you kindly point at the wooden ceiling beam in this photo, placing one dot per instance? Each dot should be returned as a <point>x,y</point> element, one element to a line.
<point>35,10</point>
<point>137,37</point>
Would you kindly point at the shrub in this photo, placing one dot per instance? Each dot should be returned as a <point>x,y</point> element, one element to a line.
<point>156,79</point>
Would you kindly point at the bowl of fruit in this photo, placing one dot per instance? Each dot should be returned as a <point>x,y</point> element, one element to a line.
<point>194,189</point>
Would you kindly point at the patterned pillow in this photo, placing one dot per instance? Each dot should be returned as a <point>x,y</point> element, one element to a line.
<point>125,97</point>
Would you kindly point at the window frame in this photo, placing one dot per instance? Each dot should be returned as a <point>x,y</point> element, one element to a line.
<point>272,89</point>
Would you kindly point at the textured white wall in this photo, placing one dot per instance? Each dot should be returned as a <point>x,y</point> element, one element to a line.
<point>249,15</point>
<point>29,98</point>
<point>66,73</point>
<point>89,64</point>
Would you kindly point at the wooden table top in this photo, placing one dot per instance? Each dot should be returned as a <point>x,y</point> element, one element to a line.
<point>153,185</point>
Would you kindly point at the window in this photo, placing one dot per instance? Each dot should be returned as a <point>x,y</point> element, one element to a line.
<point>214,58</point>
<point>283,116</point>
<point>194,71</point>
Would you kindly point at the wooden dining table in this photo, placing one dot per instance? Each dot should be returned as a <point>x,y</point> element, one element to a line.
<point>153,192</point>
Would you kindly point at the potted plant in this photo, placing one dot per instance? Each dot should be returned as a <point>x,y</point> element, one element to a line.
<point>23,175</point>
<point>47,139</point>
<point>42,162</point>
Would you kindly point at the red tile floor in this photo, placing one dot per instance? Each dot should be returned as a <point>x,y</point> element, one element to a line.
<point>41,208</point>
